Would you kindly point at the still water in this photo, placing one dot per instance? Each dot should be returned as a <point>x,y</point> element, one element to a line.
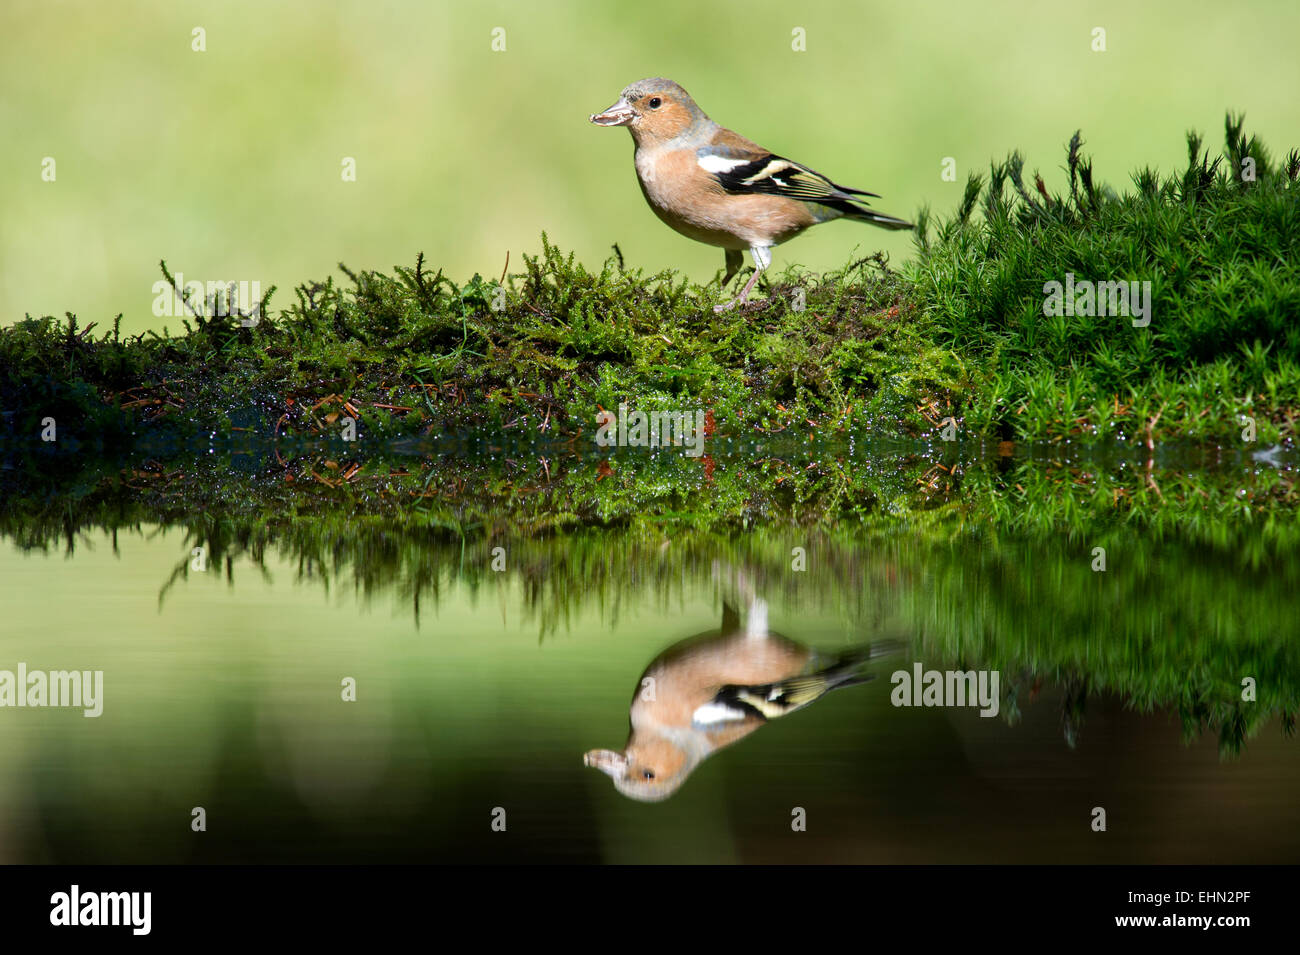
<point>333,680</point>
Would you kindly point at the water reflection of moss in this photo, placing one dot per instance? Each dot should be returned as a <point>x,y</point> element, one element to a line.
<point>989,563</point>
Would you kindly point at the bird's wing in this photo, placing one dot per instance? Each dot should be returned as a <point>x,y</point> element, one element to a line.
<point>776,699</point>
<point>741,167</point>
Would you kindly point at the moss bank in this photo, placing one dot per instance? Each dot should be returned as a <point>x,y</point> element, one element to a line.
<point>961,333</point>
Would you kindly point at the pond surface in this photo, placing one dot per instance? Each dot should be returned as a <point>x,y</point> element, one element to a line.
<point>494,650</point>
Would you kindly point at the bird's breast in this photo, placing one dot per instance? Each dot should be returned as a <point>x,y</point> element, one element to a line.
<point>682,198</point>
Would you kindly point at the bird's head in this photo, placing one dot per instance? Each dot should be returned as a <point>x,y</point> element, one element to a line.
<point>647,772</point>
<point>654,111</point>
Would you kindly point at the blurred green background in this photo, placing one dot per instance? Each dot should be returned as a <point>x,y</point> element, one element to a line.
<point>227,162</point>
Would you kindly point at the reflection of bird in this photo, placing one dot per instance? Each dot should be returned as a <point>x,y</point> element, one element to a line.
<point>708,691</point>
<point>717,187</point>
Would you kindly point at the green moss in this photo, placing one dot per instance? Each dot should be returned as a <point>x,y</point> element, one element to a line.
<point>1221,251</point>
<point>960,332</point>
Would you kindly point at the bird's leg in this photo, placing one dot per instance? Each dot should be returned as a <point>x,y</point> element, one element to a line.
<point>735,259</point>
<point>735,578</point>
<point>762,259</point>
<point>746,588</point>
<point>756,619</point>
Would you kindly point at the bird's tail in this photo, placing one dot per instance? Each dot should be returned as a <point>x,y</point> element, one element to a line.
<point>847,668</point>
<point>862,214</point>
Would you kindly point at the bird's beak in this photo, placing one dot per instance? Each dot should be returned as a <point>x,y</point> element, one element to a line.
<point>620,114</point>
<point>612,764</point>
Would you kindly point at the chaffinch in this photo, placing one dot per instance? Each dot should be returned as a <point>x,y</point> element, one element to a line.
<point>711,690</point>
<point>717,187</point>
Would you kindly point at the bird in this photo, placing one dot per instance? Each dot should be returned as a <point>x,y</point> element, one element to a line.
<point>709,691</point>
<point>717,187</point>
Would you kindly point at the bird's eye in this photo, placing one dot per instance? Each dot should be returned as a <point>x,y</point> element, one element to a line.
<point>648,773</point>
<point>655,102</point>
